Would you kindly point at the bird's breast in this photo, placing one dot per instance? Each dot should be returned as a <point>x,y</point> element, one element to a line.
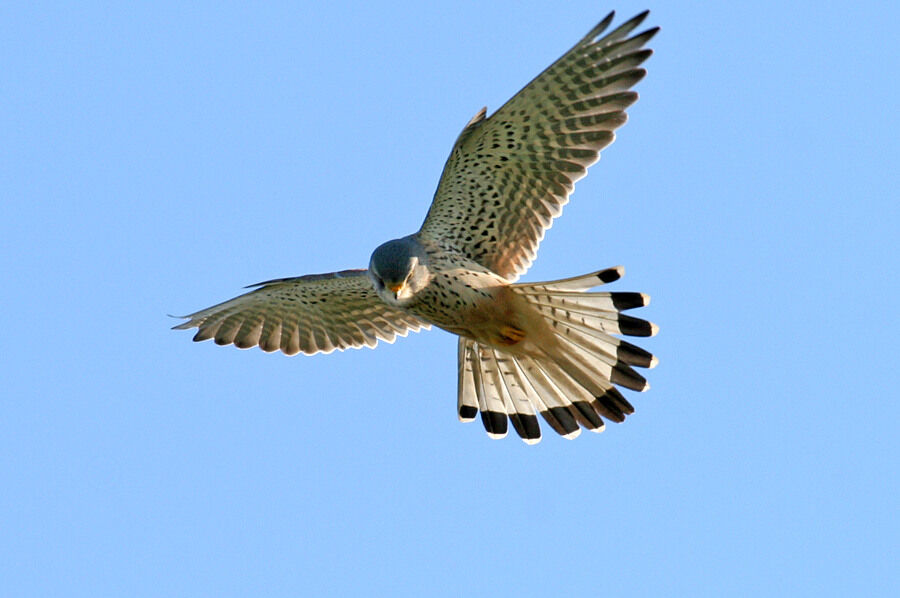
<point>480,307</point>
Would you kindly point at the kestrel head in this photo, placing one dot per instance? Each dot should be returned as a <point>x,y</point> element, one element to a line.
<point>398,269</point>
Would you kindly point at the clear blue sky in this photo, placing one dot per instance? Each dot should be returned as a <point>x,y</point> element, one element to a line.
<point>156,158</point>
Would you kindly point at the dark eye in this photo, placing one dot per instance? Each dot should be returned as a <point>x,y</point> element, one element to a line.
<point>376,280</point>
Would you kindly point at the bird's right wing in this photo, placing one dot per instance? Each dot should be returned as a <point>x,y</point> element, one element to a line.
<point>317,313</point>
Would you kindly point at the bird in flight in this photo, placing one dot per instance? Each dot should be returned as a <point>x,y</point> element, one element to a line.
<point>548,348</point>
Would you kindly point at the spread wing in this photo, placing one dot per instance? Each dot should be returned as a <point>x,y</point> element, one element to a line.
<point>509,175</point>
<point>313,314</point>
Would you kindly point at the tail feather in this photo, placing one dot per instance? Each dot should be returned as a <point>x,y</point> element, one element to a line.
<point>633,355</point>
<point>514,391</point>
<point>596,357</point>
<point>612,347</point>
<point>493,383</point>
<point>467,397</point>
<point>573,394</point>
<point>607,302</point>
<point>579,283</point>
<point>490,402</point>
<point>600,314</point>
<point>555,408</point>
<point>574,382</point>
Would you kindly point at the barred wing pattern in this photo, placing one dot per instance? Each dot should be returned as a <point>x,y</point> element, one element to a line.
<point>509,175</point>
<point>317,313</point>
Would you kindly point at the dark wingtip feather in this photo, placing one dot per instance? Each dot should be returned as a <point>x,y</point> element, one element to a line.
<point>637,19</point>
<point>649,34</point>
<point>636,75</point>
<point>601,26</point>
<point>627,27</point>
<point>636,41</point>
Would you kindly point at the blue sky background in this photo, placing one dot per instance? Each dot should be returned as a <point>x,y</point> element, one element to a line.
<point>155,158</point>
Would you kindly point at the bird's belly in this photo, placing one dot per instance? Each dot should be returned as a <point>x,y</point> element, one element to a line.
<point>491,315</point>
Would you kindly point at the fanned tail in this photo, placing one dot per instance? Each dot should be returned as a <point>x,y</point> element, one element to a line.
<point>574,382</point>
<point>490,382</point>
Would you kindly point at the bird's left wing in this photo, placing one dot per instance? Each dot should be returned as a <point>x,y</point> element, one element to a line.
<point>317,313</point>
<point>508,176</point>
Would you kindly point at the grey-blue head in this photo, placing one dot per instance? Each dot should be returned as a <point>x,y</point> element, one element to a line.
<point>398,269</point>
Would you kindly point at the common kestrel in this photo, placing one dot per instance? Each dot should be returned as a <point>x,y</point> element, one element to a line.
<point>525,348</point>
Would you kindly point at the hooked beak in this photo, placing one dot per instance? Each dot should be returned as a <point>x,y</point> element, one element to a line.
<point>395,289</point>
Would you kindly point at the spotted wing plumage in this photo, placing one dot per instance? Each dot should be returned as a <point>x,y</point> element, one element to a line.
<point>508,176</point>
<point>314,314</point>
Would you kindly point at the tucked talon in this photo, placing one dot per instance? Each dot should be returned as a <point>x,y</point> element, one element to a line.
<point>510,335</point>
